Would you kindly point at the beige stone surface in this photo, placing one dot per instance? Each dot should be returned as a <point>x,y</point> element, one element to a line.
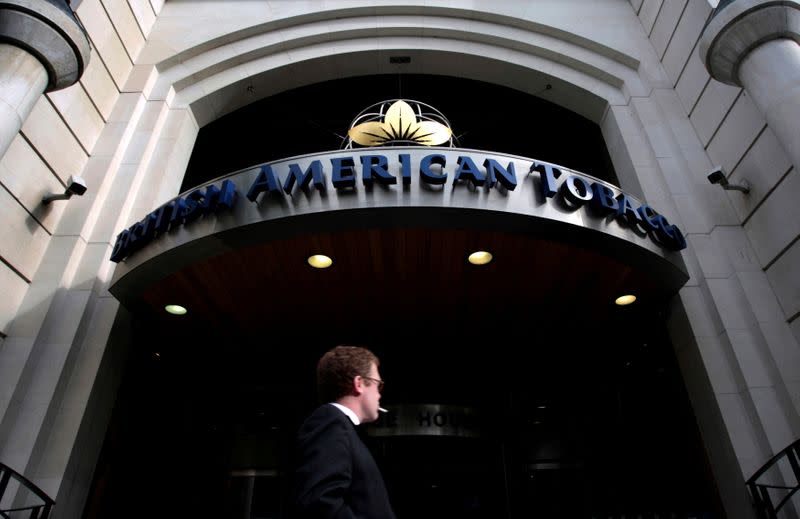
<point>784,276</point>
<point>649,12</point>
<point>776,223</point>
<point>664,27</point>
<point>28,179</point>
<point>736,133</point>
<point>79,113</point>
<point>100,87</point>
<point>763,166</point>
<point>53,141</point>
<point>22,239</point>
<point>144,14</point>
<point>682,44</point>
<point>14,288</point>
<point>692,81</point>
<point>126,26</point>
<point>712,108</point>
<point>105,40</point>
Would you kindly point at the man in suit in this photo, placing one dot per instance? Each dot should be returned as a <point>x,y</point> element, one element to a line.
<point>337,477</point>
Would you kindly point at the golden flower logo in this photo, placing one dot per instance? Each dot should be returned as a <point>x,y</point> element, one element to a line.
<point>400,124</point>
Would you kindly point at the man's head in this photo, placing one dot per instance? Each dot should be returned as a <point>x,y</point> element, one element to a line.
<point>349,375</point>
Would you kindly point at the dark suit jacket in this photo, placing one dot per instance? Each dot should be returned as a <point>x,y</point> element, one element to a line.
<point>336,476</point>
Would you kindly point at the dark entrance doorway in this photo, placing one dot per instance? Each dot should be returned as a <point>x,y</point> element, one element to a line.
<point>581,417</point>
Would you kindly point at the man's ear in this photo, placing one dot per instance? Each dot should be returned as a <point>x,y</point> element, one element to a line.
<point>358,385</point>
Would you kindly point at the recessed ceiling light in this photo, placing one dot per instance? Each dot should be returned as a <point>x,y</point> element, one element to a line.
<point>625,300</point>
<point>480,257</point>
<point>175,309</point>
<point>320,261</point>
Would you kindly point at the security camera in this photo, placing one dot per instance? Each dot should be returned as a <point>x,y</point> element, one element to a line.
<point>75,186</point>
<point>718,176</point>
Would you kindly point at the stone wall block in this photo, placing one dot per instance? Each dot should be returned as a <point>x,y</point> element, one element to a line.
<point>23,240</point>
<point>761,296</point>
<point>777,414</point>
<point>14,355</point>
<point>28,179</point>
<point>763,166</point>
<point>105,40</point>
<point>648,14</point>
<point>711,109</point>
<point>14,288</point>
<point>776,224</point>
<point>100,87</point>
<point>77,110</point>
<point>746,433</point>
<point>53,446</point>
<point>48,133</point>
<point>720,364</point>
<point>784,276</point>
<point>692,82</point>
<point>691,151</point>
<point>700,311</point>
<point>685,37</point>
<point>736,134</point>
<point>143,12</point>
<point>705,207</point>
<point>730,301</point>
<point>627,146</point>
<point>126,26</point>
<point>713,262</point>
<point>34,392</point>
<point>785,350</point>
<point>753,358</point>
<point>666,24</point>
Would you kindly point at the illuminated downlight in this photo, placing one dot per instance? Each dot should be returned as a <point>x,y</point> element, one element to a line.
<point>320,261</point>
<point>625,300</point>
<point>480,257</point>
<point>175,309</point>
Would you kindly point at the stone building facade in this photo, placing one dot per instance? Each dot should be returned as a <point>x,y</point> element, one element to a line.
<point>158,71</point>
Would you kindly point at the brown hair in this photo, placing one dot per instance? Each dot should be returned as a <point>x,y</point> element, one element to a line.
<point>337,369</point>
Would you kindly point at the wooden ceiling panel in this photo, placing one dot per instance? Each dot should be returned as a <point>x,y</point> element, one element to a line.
<point>403,275</point>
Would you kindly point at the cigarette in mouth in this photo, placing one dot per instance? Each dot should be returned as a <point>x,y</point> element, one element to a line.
<point>382,410</point>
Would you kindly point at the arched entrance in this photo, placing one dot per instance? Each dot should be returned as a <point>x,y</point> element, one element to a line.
<point>565,383</point>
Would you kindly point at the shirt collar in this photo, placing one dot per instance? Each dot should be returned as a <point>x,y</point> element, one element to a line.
<point>348,412</point>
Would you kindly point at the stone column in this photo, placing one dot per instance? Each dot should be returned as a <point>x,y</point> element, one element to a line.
<point>44,49</point>
<point>754,44</point>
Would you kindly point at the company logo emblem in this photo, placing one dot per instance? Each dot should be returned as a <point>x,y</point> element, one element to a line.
<point>399,122</point>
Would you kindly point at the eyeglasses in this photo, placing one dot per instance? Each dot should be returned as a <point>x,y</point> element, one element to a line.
<point>377,381</point>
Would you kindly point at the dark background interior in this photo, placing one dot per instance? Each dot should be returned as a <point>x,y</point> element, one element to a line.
<point>314,118</point>
<point>581,418</point>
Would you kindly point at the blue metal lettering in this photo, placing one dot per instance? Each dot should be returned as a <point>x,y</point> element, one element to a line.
<point>428,176</point>
<point>626,211</point>
<point>405,168</point>
<point>603,199</point>
<point>577,190</point>
<point>344,172</point>
<point>467,170</point>
<point>303,178</point>
<point>265,181</point>
<point>373,167</point>
<point>506,176</point>
<point>547,180</point>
